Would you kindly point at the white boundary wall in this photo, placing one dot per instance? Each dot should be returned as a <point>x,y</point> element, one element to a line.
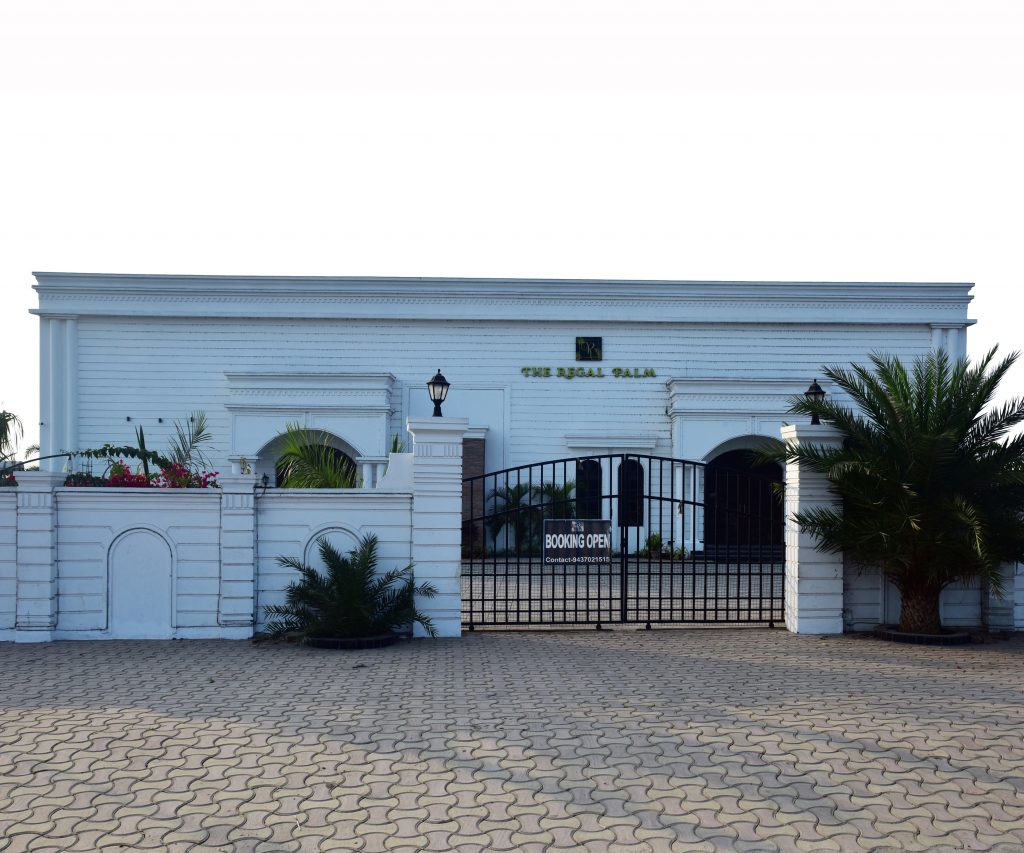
<point>100,563</point>
<point>106,563</point>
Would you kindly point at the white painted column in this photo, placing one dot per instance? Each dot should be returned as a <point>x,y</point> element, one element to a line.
<point>45,381</point>
<point>371,469</point>
<point>951,337</point>
<point>58,399</point>
<point>58,404</point>
<point>70,382</point>
<point>814,579</point>
<point>36,616</point>
<point>237,550</point>
<point>437,516</point>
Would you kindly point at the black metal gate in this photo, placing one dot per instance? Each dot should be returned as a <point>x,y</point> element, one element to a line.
<point>691,543</point>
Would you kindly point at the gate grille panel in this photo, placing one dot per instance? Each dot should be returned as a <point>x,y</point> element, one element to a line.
<point>692,543</point>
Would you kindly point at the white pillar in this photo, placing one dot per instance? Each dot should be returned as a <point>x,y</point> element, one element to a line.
<point>437,516</point>
<point>58,384</point>
<point>70,382</point>
<point>45,380</point>
<point>814,579</point>
<point>36,616</point>
<point>237,550</point>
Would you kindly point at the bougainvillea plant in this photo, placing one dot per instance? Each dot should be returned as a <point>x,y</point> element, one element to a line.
<point>171,476</point>
<point>7,480</point>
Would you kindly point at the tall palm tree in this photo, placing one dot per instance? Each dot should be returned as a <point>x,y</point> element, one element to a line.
<point>931,480</point>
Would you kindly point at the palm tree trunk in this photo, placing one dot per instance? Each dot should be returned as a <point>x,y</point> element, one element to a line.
<point>919,610</point>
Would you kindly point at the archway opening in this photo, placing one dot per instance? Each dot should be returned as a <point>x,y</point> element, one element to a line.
<point>302,458</point>
<point>743,513</point>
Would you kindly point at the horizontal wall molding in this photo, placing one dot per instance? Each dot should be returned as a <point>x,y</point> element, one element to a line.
<point>511,300</point>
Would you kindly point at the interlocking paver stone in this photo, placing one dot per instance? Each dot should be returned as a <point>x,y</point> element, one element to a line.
<point>621,740</point>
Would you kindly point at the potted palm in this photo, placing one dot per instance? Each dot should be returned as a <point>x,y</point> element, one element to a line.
<point>349,605</point>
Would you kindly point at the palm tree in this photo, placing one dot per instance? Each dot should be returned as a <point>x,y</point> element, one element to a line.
<point>10,432</point>
<point>351,599</point>
<point>556,500</point>
<point>931,483</point>
<point>309,461</point>
<point>512,506</point>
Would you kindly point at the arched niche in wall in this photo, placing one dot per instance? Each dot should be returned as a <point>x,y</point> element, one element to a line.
<point>269,456</point>
<point>140,586</point>
<point>355,407</point>
<point>342,539</point>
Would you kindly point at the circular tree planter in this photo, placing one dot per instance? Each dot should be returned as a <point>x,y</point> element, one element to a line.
<point>895,635</point>
<point>351,643</point>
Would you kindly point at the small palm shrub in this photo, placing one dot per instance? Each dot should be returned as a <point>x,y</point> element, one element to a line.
<point>350,599</point>
<point>309,461</point>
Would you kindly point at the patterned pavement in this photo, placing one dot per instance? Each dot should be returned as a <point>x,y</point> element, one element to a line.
<point>720,739</point>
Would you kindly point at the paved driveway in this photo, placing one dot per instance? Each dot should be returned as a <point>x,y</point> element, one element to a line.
<point>666,740</point>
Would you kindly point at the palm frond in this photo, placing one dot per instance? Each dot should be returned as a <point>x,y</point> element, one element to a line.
<point>185,446</point>
<point>308,460</point>
<point>349,597</point>
<point>10,431</point>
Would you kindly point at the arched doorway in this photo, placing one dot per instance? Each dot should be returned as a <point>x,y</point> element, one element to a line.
<point>743,506</point>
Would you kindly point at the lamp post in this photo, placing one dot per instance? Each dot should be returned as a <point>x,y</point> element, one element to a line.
<point>815,394</point>
<point>438,390</point>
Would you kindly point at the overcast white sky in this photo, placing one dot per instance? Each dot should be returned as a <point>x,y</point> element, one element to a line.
<point>719,139</point>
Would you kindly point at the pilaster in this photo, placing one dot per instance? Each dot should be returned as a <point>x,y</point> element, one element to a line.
<point>814,579</point>
<point>58,403</point>
<point>36,613</point>
<point>437,516</point>
<point>237,550</point>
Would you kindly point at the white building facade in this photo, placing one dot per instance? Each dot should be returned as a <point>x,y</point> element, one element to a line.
<point>687,369</point>
<point>539,370</point>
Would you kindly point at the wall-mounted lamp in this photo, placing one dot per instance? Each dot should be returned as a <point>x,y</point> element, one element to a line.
<point>815,394</point>
<point>438,390</point>
<point>264,481</point>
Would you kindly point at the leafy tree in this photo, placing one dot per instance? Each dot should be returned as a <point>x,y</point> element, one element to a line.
<point>930,478</point>
<point>351,599</point>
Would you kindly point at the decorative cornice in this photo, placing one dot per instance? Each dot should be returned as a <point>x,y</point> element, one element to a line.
<point>757,396</point>
<point>509,300</point>
<point>325,381</point>
<point>611,441</point>
<point>352,393</point>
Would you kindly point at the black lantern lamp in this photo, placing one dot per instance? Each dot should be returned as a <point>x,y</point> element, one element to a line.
<point>815,394</point>
<point>438,390</point>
